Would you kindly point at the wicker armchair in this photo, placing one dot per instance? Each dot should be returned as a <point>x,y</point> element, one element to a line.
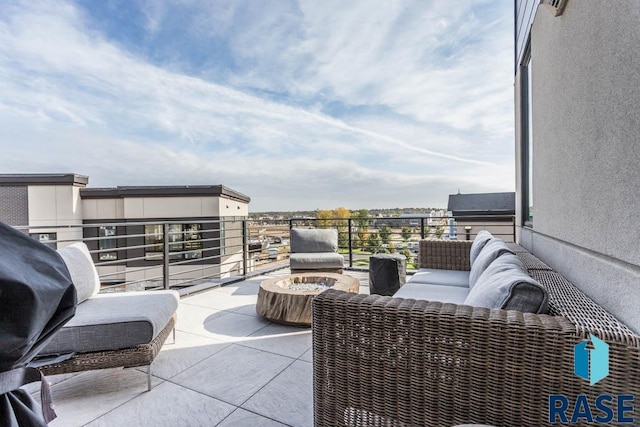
<point>384,361</point>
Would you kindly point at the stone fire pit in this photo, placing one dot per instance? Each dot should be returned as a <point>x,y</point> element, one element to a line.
<point>287,300</point>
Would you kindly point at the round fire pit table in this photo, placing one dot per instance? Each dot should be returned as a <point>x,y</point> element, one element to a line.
<point>287,300</point>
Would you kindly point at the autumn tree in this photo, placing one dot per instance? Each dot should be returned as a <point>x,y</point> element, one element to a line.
<point>385,234</point>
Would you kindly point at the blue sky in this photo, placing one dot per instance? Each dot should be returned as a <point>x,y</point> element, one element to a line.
<point>298,104</point>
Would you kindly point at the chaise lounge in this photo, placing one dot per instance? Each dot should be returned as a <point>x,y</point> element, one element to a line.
<point>124,329</point>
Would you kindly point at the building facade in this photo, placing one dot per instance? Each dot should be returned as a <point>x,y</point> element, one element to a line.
<point>482,211</point>
<point>204,224</point>
<point>577,102</point>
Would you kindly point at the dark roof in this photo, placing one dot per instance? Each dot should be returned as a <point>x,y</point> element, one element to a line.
<point>482,204</point>
<point>164,191</point>
<point>43,179</point>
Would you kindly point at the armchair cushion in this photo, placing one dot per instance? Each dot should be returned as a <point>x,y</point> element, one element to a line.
<point>505,284</point>
<point>114,321</point>
<point>314,240</point>
<point>316,261</point>
<point>83,273</point>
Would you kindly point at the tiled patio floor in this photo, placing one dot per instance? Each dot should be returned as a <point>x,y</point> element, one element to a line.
<point>228,367</point>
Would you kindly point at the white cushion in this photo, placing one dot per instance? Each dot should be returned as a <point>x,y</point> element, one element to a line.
<point>83,273</point>
<point>436,276</point>
<point>441,293</point>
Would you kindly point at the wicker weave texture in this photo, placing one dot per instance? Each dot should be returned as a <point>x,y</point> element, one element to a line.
<point>383,361</point>
<point>446,255</point>
<point>129,357</point>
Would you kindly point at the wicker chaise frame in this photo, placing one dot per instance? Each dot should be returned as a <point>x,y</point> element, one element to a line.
<point>384,361</point>
<point>141,355</point>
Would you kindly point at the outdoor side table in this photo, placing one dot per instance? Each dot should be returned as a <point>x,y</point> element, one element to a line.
<point>387,273</point>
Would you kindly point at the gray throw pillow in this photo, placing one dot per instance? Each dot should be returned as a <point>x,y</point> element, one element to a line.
<point>312,240</point>
<point>478,243</point>
<point>505,284</point>
<point>491,250</point>
<point>83,273</point>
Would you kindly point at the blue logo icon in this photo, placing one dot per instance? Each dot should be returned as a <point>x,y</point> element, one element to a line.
<point>591,364</point>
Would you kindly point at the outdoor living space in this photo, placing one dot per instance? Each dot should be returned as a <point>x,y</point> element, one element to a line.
<point>227,367</point>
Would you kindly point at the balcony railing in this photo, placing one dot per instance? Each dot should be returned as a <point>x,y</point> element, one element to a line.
<point>196,254</point>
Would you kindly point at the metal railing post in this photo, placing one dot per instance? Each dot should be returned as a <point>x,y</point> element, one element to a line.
<point>290,223</point>
<point>245,248</point>
<point>350,245</point>
<point>165,255</point>
<point>513,221</point>
<point>422,228</point>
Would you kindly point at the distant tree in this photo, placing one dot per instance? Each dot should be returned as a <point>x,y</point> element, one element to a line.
<point>407,253</point>
<point>361,218</point>
<point>375,243</point>
<point>439,232</point>
<point>385,234</point>
<point>341,222</point>
<point>406,233</point>
<point>324,219</point>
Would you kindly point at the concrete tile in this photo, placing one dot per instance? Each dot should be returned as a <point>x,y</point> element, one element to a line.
<point>192,318</point>
<point>167,405</point>
<point>307,356</point>
<point>233,327</point>
<point>280,339</point>
<point>188,350</point>
<point>52,379</point>
<point>220,300</point>
<point>233,374</point>
<point>288,398</point>
<point>249,310</point>
<point>92,394</point>
<point>247,287</point>
<point>242,418</point>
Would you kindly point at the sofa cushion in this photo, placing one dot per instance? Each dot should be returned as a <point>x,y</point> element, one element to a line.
<point>436,276</point>
<point>83,273</point>
<point>113,321</point>
<point>316,260</point>
<point>314,240</point>
<point>491,250</point>
<point>482,238</point>
<point>505,284</point>
<point>441,293</point>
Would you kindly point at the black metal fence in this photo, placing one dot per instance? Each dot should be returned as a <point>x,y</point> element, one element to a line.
<point>200,253</point>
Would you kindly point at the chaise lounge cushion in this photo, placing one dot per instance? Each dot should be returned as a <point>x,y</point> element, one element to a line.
<point>114,321</point>
<point>482,238</point>
<point>314,240</point>
<point>83,273</point>
<point>441,293</point>
<point>316,261</point>
<point>436,276</point>
<point>505,284</point>
<point>491,250</point>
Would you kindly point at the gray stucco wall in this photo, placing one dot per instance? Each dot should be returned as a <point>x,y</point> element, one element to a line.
<point>586,133</point>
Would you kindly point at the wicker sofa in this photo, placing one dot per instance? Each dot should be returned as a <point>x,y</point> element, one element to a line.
<point>388,361</point>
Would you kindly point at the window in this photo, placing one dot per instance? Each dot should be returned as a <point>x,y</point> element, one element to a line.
<point>48,239</point>
<point>184,241</point>
<point>107,241</point>
<point>526,138</point>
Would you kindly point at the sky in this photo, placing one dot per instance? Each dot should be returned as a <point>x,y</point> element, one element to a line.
<point>300,105</point>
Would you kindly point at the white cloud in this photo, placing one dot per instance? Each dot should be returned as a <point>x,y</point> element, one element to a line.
<point>73,100</point>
